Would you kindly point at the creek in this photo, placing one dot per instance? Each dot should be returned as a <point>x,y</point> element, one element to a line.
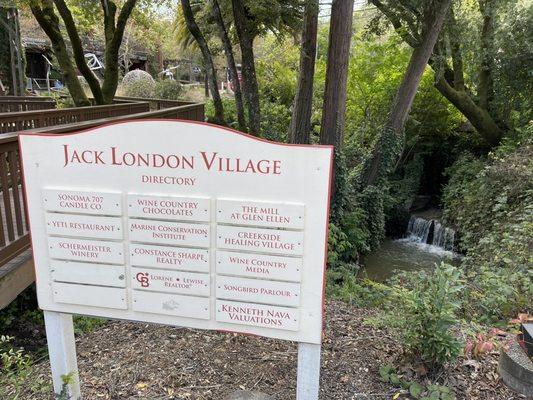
<point>426,243</point>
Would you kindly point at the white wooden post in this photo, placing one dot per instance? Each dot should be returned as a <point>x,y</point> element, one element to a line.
<point>62,352</point>
<point>308,371</point>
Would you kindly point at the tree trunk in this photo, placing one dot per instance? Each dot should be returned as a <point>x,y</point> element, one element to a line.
<point>49,22</point>
<point>340,33</point>
<point>232,67</point>
<point>78,52</point>
<point>110,83</point>
<point>479,117</point>
<point>206,53</point>
<point>251,90</point>
<point>380,163</point>
<point>114,33</point>
<point>300,128</point>
<point>486,83</point>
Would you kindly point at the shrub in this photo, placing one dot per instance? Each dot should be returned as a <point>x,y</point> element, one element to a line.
<point>168,89</point>
<point>138,83</point>
<point>424,312</point>
<point>16,373</point>
<point>490,204</point>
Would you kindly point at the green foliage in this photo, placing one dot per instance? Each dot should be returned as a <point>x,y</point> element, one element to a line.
<point>370,201</point>
<point>402,188</point>
<point>23,307</point>
<point>16,375</point>
<point>230,112</point>
<point>490,202</point>
<point>275,121</point>
<point>87,324</point>
<point>168,89</point>
<point>66,380</point>
<point>138,83</point>
<point>343,284</point>
<point>425,313</point>
<point>389,374</point>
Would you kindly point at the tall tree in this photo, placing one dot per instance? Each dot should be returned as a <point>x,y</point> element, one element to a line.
<point>340,34</point>
<point>114,26</point>
<point>433,16</point>
<point>45,15</point>
<point>300,128</point>
<point>232,67</point>
<point>251,89</point>
<point>448,63</point>
<point>208,59</point>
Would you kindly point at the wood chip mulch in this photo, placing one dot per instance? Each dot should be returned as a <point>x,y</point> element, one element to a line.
<point>126,361</point>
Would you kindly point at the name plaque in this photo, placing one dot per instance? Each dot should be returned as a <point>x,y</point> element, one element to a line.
<point>165,232</point>
<point>84,226</point>
<point>82,202</point>
<point>261,240</point>
<point>276,215</point>
<point>171,281</point>
<point>166,257</point>
<point>259,266</point>
<point>88,274</point>
<point>257,315</point>
<point>86,250</point>
<point>171,304</point>
<point>258,291</point>
<point>169,208</point>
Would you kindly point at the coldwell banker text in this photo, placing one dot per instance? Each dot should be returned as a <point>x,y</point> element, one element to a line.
<point>212,161</point>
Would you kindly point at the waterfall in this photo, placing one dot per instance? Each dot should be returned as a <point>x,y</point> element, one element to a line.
<point>432,232</point>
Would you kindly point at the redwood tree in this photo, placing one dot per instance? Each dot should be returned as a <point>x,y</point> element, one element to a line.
<point>232,67</point>
<point>114,26</point>
<point>251,89</point>
<point>300,128</point>
<point>340,34</point>
<point>208,60</point>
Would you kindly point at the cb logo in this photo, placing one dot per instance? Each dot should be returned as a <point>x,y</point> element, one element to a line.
<point>142,278</point>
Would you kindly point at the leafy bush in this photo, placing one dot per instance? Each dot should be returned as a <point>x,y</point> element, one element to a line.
<point>389,374</point>
<point>138,83</point>
<point>168,89</point>
<point>230,112</point>
<point>343,284</point>
<point>490,202</point>
<point>15,372</point>
<point>424,312</point>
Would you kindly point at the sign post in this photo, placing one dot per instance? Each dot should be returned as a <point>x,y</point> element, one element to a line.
<point>180,223</point>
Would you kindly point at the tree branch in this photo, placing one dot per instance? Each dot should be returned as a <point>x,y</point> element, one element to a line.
<point>486,83</point>
<point>77,49</point>
<point>457,57</point>
<point>396,23</point>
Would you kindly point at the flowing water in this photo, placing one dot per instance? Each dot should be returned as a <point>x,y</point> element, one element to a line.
<point>427,242</point>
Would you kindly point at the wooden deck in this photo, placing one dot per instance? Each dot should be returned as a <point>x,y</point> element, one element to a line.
<point>16,262</point>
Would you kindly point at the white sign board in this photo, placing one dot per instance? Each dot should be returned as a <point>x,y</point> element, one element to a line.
<point>180,223</point>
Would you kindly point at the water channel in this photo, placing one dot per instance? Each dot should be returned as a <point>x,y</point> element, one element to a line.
<point>426,243</point>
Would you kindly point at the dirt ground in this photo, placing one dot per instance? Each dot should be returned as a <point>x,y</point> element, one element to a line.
<point>139,361</point>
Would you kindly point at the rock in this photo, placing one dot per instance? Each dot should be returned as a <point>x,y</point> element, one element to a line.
<point>516,369</point>
<point>247,395</point>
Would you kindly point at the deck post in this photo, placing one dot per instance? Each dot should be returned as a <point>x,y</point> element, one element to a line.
<point>307,385</point>
<point>62,353</point>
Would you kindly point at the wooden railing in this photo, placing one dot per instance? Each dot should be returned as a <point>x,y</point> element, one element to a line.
<point>14,228</point>
<point>14,237</point>
<point>20,121</point>
<point>25,103</point>
<point>155,104</point>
